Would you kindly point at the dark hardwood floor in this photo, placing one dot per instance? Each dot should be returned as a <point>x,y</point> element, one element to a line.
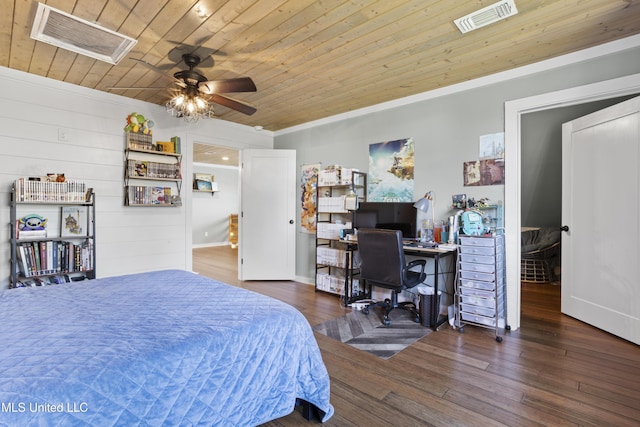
<point>553,371</point>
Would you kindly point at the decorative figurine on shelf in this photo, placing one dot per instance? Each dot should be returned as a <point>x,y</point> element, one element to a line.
<point>138,124</point>
<point>32,222</point>
<point>55,177</point>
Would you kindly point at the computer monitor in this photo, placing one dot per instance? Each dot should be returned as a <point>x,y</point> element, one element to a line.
<point>392,216</point>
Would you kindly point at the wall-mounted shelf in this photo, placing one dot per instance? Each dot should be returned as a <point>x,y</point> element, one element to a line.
<point>203,183</point>
<point>148,168</point>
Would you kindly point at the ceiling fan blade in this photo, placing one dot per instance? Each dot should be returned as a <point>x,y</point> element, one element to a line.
<point>241,84</point>
<point>137,88</point>
<point>155,69</point>
<point>233,104</point>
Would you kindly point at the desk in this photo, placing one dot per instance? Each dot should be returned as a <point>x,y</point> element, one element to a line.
<point>435,253</point>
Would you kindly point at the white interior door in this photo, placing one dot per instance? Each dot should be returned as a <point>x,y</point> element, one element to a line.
<point>267,215</point>
<point>601,202</point>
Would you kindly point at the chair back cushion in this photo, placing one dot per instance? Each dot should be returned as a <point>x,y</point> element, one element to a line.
<point>381,257</point>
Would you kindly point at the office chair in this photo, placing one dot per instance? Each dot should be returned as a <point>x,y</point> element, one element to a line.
<point>382,263</point>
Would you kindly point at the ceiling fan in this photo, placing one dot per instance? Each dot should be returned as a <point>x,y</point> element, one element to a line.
<point>192,84</point>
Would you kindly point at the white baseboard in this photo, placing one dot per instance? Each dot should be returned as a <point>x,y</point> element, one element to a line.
<point>305,280</point>
<point>210,245</point>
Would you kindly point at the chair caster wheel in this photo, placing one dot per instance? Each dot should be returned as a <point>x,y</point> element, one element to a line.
<point>386,322</point>
<point>499,339</point>
<point>461,330</point>
<point>507,327</point>
<point>417,319</point>
<point>365,310</point>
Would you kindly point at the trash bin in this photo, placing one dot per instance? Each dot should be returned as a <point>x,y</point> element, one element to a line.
<point>426,299</point>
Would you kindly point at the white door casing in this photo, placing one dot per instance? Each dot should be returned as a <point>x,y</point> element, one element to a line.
<point>267,215</point>
<point>601,205</point>
<point>513,111</point>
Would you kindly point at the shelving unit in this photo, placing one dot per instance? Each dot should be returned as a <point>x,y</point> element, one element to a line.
<point>233,230</point>
<point>492,216</point>
<point>151,177</point>
<point>339,191</point>
<point>64,251</point>
<point>481,287</point>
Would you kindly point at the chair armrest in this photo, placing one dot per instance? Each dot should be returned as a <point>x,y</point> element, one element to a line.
<point>405,272</point>
<point>416,262</point>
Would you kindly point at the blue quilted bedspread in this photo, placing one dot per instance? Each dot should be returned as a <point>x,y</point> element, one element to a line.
<point>160,348</point>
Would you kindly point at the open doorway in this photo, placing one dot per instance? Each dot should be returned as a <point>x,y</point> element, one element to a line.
<point>541,188</point>
<point>514,111</point>
<point>213,209</point>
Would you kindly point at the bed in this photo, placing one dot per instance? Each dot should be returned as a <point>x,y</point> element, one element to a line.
<point>160,348</point>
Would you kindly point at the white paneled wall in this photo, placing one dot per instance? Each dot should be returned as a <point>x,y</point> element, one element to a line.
<point>33,113</point>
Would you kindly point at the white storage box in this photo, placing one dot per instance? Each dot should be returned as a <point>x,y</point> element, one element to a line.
<point>482,268</point>
<point>476,250</point>
<point>474,275</point>
<point>474,284</point>
<point>480,311</point>
<point>475,241</point>
<point>480,259</point>
<point>480,302</point>
<point>488,321</point>
<point>480,293</point>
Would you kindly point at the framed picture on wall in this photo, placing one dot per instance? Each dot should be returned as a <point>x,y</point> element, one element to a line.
<point>202,182</point>
<point>74,221</point>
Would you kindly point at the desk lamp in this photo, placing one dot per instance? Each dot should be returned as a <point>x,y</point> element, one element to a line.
<point>427,203</point>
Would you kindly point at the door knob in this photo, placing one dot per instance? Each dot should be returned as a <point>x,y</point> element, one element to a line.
<point>564,228</point>
<point>290,221</point>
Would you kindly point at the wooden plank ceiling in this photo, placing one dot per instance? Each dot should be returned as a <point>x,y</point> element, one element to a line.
<point>311,59</point>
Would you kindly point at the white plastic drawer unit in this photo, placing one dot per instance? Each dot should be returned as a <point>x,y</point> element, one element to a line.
<point>481,320</point>
<point>476,250</point>
<point>477,301</point>
<point>480,285</point>
<point>479,293</point>
<point>482,268</point>
<point>474,275</point>
<point>475,241</point>
<point>488,285</point>
<point>481,258</point>
<point>480,311</point>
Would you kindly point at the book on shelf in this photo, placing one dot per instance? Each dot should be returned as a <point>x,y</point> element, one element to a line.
<point>139,141</point>
<point>176,144</point>
<point>138,168</point>
<point>32,190</point>
<point>143,195</point>
<point>153,170</point>
<point>52,257</point>
<point>31,234</point>
<point>166,146</point>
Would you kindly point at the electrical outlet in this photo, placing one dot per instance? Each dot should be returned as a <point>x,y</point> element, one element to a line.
<point>63,134</point>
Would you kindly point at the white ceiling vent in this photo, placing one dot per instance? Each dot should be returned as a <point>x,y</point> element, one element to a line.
<point>77,35</point>
<point>486,15</point>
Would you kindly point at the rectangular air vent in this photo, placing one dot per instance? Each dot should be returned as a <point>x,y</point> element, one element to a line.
<point>77,35</point>
<point>487,15</point>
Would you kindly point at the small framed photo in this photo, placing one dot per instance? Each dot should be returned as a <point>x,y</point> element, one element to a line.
<point>202,182</point>
<point>459,201</point>
<point>74,222</point>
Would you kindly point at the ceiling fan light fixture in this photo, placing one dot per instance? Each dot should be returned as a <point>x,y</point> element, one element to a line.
<point>190,108</point>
